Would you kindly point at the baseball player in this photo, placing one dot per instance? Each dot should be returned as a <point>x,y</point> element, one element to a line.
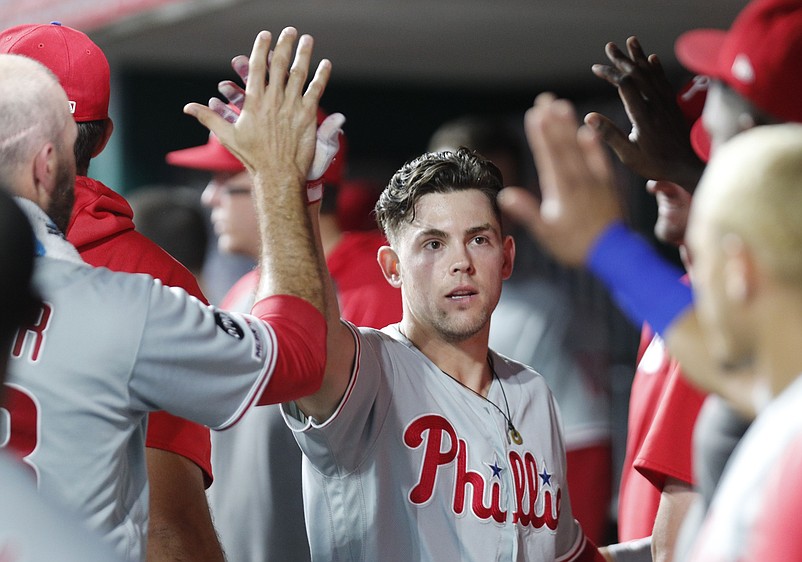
<point>532,324</point>
<point>76,408</point>
<point>256,502</point>
<point>31,528</point>
<point>422,443</point>
<point>101,228</point>
<point>748,288</point>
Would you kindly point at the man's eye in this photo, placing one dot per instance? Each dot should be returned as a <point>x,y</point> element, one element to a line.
<point>433,245</point>
<point>480,240</point>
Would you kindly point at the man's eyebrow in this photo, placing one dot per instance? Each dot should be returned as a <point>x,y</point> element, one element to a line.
<point>479,229</point>
<point>436,232</point>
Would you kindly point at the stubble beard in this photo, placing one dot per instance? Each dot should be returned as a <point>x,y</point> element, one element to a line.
<point>456,331</point>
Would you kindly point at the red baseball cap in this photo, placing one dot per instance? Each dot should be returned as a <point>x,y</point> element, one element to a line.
<point>214,157</point>
<point>691,100</point>
<point>760,57</point>
<point>79,64</point>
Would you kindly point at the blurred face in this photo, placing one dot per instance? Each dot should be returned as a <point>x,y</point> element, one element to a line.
<point>451,260</point>
<point>725,114</point>
<point>673,206</point>
<point>233,215</point>
<point>720,291</point>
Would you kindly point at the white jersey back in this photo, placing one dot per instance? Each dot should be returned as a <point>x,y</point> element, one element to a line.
<point>414,466</point>
<point>33,530</point>
<point>83,378</point>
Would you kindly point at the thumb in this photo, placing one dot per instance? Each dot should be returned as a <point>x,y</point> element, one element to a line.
<point>521,206</point>
<point>610,133</point>
<point>216,124</point>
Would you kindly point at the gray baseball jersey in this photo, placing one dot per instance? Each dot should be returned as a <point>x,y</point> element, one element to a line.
<point>33,530</point>
<point>83,377</point>
<point>256,497</point>
<point>531,325</point>
<point>414,466</point>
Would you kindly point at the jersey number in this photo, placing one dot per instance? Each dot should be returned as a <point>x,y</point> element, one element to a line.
<point>19,430</point>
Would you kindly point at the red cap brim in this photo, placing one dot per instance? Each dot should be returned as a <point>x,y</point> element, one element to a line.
<point>698,51</point>
<point>212,156</point>
<point>700,140</point>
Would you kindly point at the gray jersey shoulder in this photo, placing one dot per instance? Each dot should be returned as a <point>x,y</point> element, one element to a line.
<point>108,348</point>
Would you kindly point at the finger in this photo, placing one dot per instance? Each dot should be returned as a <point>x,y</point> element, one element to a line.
<point>609,133</point>
<point>280,63</point>
<point>636,51</point>
<point>595,157</point>
<point>553,127</point>
<point>241,67</point>
<point>257,66</point>
<point>300,67</point>
<point>211,120</point>
<point>223,110</point>
<point>606,72</point>
<point>318,84</point>
<point>618,58</point>
<point>519,204</point>
<point>233,93</point>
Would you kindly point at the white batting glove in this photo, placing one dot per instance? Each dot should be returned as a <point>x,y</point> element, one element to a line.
<point>326,147</point>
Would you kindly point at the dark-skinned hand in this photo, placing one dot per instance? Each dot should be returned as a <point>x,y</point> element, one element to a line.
<point>658,146</point>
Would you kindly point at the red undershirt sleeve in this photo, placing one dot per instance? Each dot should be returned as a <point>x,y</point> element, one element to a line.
<point>300,331</point>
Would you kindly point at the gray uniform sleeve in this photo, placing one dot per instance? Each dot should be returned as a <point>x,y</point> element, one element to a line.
<point>199,362</point>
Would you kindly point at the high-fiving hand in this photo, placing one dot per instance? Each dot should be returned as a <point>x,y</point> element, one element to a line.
<point>579,198</point>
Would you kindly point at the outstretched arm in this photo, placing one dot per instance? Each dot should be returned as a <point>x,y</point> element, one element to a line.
<point>579,222</point>
<point>306,152</point>
<point>658,147</point>
<point>274,137</point>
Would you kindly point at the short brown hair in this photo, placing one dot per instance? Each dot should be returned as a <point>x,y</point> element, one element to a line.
<point>435,172</point>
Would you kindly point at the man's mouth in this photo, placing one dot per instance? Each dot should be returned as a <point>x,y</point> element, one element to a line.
<point>461,294</point>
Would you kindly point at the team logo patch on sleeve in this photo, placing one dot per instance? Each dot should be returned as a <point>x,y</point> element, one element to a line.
<point>228,325</point>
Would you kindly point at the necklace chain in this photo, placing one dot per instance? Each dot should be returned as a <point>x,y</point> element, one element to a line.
<point>512,433</point>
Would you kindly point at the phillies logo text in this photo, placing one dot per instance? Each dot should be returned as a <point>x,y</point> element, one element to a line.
<point>433,432</point>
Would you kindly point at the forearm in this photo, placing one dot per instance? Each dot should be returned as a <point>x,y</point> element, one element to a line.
<point>675,501</point>
<point>638,550</point>
<point>180,525</point>
<point>339,344</point>
<point>686,342</point>
<point>289,262</point>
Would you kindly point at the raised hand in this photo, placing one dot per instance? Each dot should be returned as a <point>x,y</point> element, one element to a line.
<point>579,199</point>
<point>328,132</point>
<point>658,146</point>
<point>275,131</point>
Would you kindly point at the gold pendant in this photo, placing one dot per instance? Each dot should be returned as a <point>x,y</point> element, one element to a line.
<point>516,437</point>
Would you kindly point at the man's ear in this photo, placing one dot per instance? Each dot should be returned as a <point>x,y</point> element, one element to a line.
<point>103,141</point>
<point>45,167</point>
<point>740,269</point>
<point>388,262</point>
<point>509,257</point>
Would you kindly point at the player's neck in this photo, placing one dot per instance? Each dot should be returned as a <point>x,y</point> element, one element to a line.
<point>465,361</point>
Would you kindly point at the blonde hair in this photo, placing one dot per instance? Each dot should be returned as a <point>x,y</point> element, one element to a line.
<point>753,188</point>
